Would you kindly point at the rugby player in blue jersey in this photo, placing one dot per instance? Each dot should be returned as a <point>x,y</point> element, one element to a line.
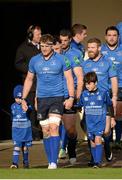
<point>69,117</point>
<point>95,102</point>
<point>62,131</point>
<point>79,33</point>
<point>49,68</point>
<point>21,129</point>
<point>106,71</point>
<point>112,49</point>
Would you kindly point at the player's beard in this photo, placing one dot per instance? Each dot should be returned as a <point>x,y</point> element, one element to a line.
<point>112,44</point>
<point>47,54</point>
<point>93,55</point>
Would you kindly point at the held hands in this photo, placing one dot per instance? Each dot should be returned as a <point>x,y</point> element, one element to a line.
<point>68,103</point>
<point>24,105</point>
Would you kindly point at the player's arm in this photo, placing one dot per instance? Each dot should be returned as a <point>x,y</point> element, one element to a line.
<point>114,87</point>
<point>26,89</point>
<point>70,86</point>
<point>79,75</point>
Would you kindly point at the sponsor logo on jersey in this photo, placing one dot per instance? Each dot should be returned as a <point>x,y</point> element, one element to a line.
<point>92,103</point>
<point>45,68</point>
<point>18,116</point>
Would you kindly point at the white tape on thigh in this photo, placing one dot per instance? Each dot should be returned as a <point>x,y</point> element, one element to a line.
<point>54,120</point>
<point>44,122</point>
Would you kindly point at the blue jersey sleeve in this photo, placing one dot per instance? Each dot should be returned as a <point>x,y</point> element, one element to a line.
<point>107,99</point>
<point>66,64</point>
<point>75,62</point>
<point>78,54</point>
<point>112,69</point>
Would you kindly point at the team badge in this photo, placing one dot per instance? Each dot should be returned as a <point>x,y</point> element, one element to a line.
<point>99,98</point>
<point>112,58</point>
<point>86,99</point>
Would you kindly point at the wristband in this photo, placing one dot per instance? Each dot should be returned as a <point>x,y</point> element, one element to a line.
<point>71,97</point>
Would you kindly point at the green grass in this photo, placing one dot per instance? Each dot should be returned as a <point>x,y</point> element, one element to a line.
<point>62,173</point>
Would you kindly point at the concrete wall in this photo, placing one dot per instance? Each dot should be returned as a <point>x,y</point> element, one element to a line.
<point>96,15</point>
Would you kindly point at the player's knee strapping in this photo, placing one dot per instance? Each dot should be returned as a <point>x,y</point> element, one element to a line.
<point>45,129</point>
<point>54,120</point>
<point>44,122</point>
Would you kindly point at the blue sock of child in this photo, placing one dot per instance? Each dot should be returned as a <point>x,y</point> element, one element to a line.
<point>93,151</point>
<point>15,159</point>
<point>99,150</point>
<point>25,157</point>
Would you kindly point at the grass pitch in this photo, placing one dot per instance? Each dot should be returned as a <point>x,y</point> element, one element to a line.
<point>62,173</point>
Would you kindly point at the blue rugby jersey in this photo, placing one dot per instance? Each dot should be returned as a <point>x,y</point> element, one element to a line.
<point>21,125</point>
<point>50,74</point>
<point>78,46</point>
<point>116,57</point>
<point>75,59</point>
<point>105,69</point>
<point>95,104</point>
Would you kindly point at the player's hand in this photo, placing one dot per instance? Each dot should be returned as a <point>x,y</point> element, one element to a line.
<point>114,101</point>
<point>24,105</point>
<point>113,122</point>
<point>68,103</point>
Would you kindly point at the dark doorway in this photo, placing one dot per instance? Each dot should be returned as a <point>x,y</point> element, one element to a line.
<point>15,18</point>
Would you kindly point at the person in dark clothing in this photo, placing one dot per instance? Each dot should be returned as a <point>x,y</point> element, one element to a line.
<point>29,48</point>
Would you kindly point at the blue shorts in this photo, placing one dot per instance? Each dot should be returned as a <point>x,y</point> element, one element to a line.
<point>49,105</point>
<point>22,144</point>
<point>92,135</point>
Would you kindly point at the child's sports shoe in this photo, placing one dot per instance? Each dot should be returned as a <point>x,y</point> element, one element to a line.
<point>14,166</point>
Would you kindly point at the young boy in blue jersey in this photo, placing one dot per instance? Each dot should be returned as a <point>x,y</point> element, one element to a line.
<point>21,129</point>
<point>95,104</point>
